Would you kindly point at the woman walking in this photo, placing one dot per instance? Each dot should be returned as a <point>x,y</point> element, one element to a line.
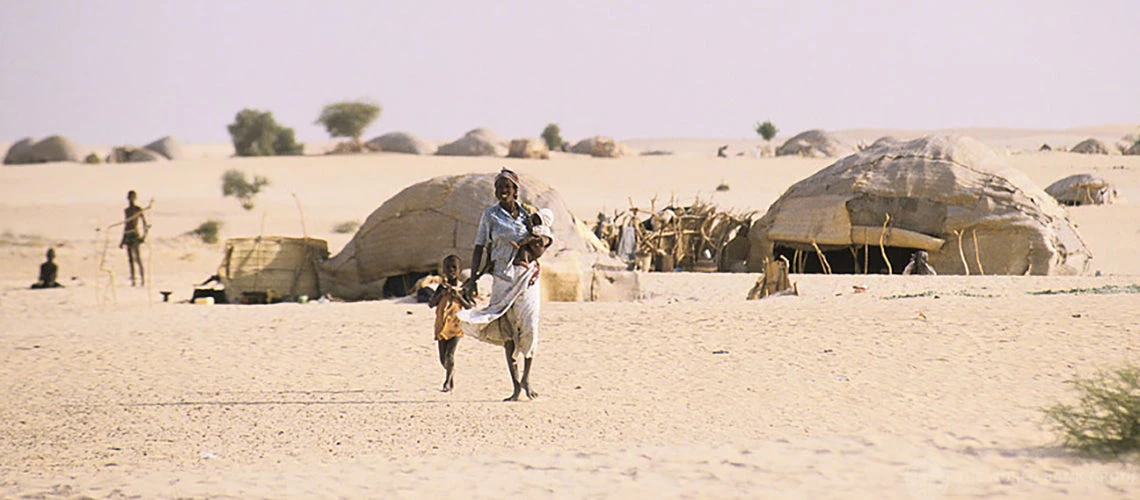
<point>510,319</point>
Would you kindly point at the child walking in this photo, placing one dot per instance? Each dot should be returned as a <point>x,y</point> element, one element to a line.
<point>447,300</point>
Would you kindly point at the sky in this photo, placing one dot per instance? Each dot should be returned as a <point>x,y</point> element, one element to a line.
<point>127,72</point>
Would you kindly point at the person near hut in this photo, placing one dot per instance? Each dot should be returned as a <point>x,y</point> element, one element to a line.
<point>448,299</point>
<point>511,317</point>
<point>919,264</point>
<point>49,272</point>
<point>132,236</point>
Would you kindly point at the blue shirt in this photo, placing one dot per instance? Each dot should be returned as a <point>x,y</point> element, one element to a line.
<point>497,229</point>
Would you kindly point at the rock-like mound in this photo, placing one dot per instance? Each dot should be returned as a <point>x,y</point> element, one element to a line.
<point>813,144</point>
<point>1082,189</point>
<point>52,149</point>
<point>1090,146</point>
<point>600,146</point>
<point>142,155</point>
<point>1134,150</point>
<point>168,147</point>
<point>528,148</point>
<point>401,142</point>
<point>477,142</point>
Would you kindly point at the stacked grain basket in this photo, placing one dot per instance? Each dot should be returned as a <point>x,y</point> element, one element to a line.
<point>268,269</point>
<point>408,235</point>
<point>951,196</point>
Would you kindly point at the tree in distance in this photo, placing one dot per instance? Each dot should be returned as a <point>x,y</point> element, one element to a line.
<point>552,136</point>
<point>256,133</point>
<point>207,231</point>
<point>236,184</point>
<point>766,130</point>
<point>349,119</point>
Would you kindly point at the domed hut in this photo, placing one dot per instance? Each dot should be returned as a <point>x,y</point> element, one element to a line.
<point>407,237</point>
<point>600,146</point>
<point>528,148</point>
<point>1090,146</point>
<point>401,142</point>
<point>1133,150</point>
<point>18,152</point>
<point>52,149</point>
<point>812,143</point>
<point>1082,189</point>
<point>477,142</point>
<point>168,147</point>
<point>950,196</point>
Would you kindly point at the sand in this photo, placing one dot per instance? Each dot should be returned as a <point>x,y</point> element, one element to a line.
<point>920,387</point>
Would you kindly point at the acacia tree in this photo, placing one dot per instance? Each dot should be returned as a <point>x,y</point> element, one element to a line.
<point>766,130</point>
<point>256,133</point>
<point>349,118</point>
<point>552,135</point>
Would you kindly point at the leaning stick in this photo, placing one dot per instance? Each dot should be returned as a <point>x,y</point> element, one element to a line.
<point>866,255</point>
<point>977,253</point>
<point>822,258</point>
<point>304,231</point>
<point>883,245</point>
<point>962,253</point>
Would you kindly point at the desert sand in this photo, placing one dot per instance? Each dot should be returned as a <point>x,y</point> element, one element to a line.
<point>920,387</point>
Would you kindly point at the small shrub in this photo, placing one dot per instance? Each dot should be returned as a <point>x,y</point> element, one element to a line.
<point>766,130</point>
<point>348,118</point>
<point>208,231</point>
<point>256,133</point>
<point>236,184</point>
<point>722,186</point>
<point>1106,419</point>
<point>552,136</point>
<point>93,159</point>
<point>346,227</point>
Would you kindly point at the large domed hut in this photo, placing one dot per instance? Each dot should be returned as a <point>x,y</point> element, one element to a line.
<point>1090,146</point>
<point>1082,189</point>
<point>813,144</point>
<point>477,142</point>
<point>168,147</point>
<point>52,149</point>
<point>407,237</point>
<point>950,196</point>
<point>401,142</point>
<point>600,146</point>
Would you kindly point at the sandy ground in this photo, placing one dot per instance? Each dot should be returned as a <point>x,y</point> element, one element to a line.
<point>918,388</point>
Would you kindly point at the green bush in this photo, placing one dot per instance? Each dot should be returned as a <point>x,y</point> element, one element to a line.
<point>348,118</point>
<point>1106,418</point>
<point>346,227</point>
<point>236,184</point>
<point>552,135</point>
<point>256,133</point>
<point>766,130</point>
<point>208,231</point>
<point>93,159</point>
<point>722,186</point>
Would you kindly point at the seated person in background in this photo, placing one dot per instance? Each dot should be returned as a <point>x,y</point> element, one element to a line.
<point>918,264</point>
<point>48,272</point>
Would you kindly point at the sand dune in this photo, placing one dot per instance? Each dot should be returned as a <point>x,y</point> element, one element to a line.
<point>918,388</point>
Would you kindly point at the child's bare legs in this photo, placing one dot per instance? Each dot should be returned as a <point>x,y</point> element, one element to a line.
<point>447,359</point>
<point>134,259</point>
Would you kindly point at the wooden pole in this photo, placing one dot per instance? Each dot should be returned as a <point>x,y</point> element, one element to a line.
<point>962,253</point>
<point>977,253</point>
<point>883,247</point>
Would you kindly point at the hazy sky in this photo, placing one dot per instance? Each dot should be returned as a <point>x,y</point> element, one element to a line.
<point>127,72</point>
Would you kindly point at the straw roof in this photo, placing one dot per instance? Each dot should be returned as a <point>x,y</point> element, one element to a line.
<point>528,148</point>
<point>52,149</point>
<point>813,143</point>
<point>1090,146</point>
<point>401,142</point>
<point>934,189</point>
<point>416,228</point>
<point>1082,189</point>
<point>477,142</point>
<point>600,146</point>
<point>18,153</point>
<point>168,147</point>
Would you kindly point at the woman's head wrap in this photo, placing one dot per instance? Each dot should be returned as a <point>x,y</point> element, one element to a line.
<point>508,175</point>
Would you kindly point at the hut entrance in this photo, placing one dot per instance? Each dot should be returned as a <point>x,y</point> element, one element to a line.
<point>401,285</point>
<point>846,260</point>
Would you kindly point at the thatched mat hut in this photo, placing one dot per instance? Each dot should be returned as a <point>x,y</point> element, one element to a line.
<point>52,149</point>
<point>168,147</point>
<point>600,146</point>
<point>1090,146</point>
<point>1133,150</point>
<point>1082,189</point>
<point>951,196</point>
<point>407,237</point>
<point>812,143</point>
<point>401,142</point>
<point>528,148</point>
<point>268,269</point>
<point>477,142</point>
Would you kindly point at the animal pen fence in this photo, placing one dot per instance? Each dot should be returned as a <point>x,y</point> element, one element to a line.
<point>698,237</point>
